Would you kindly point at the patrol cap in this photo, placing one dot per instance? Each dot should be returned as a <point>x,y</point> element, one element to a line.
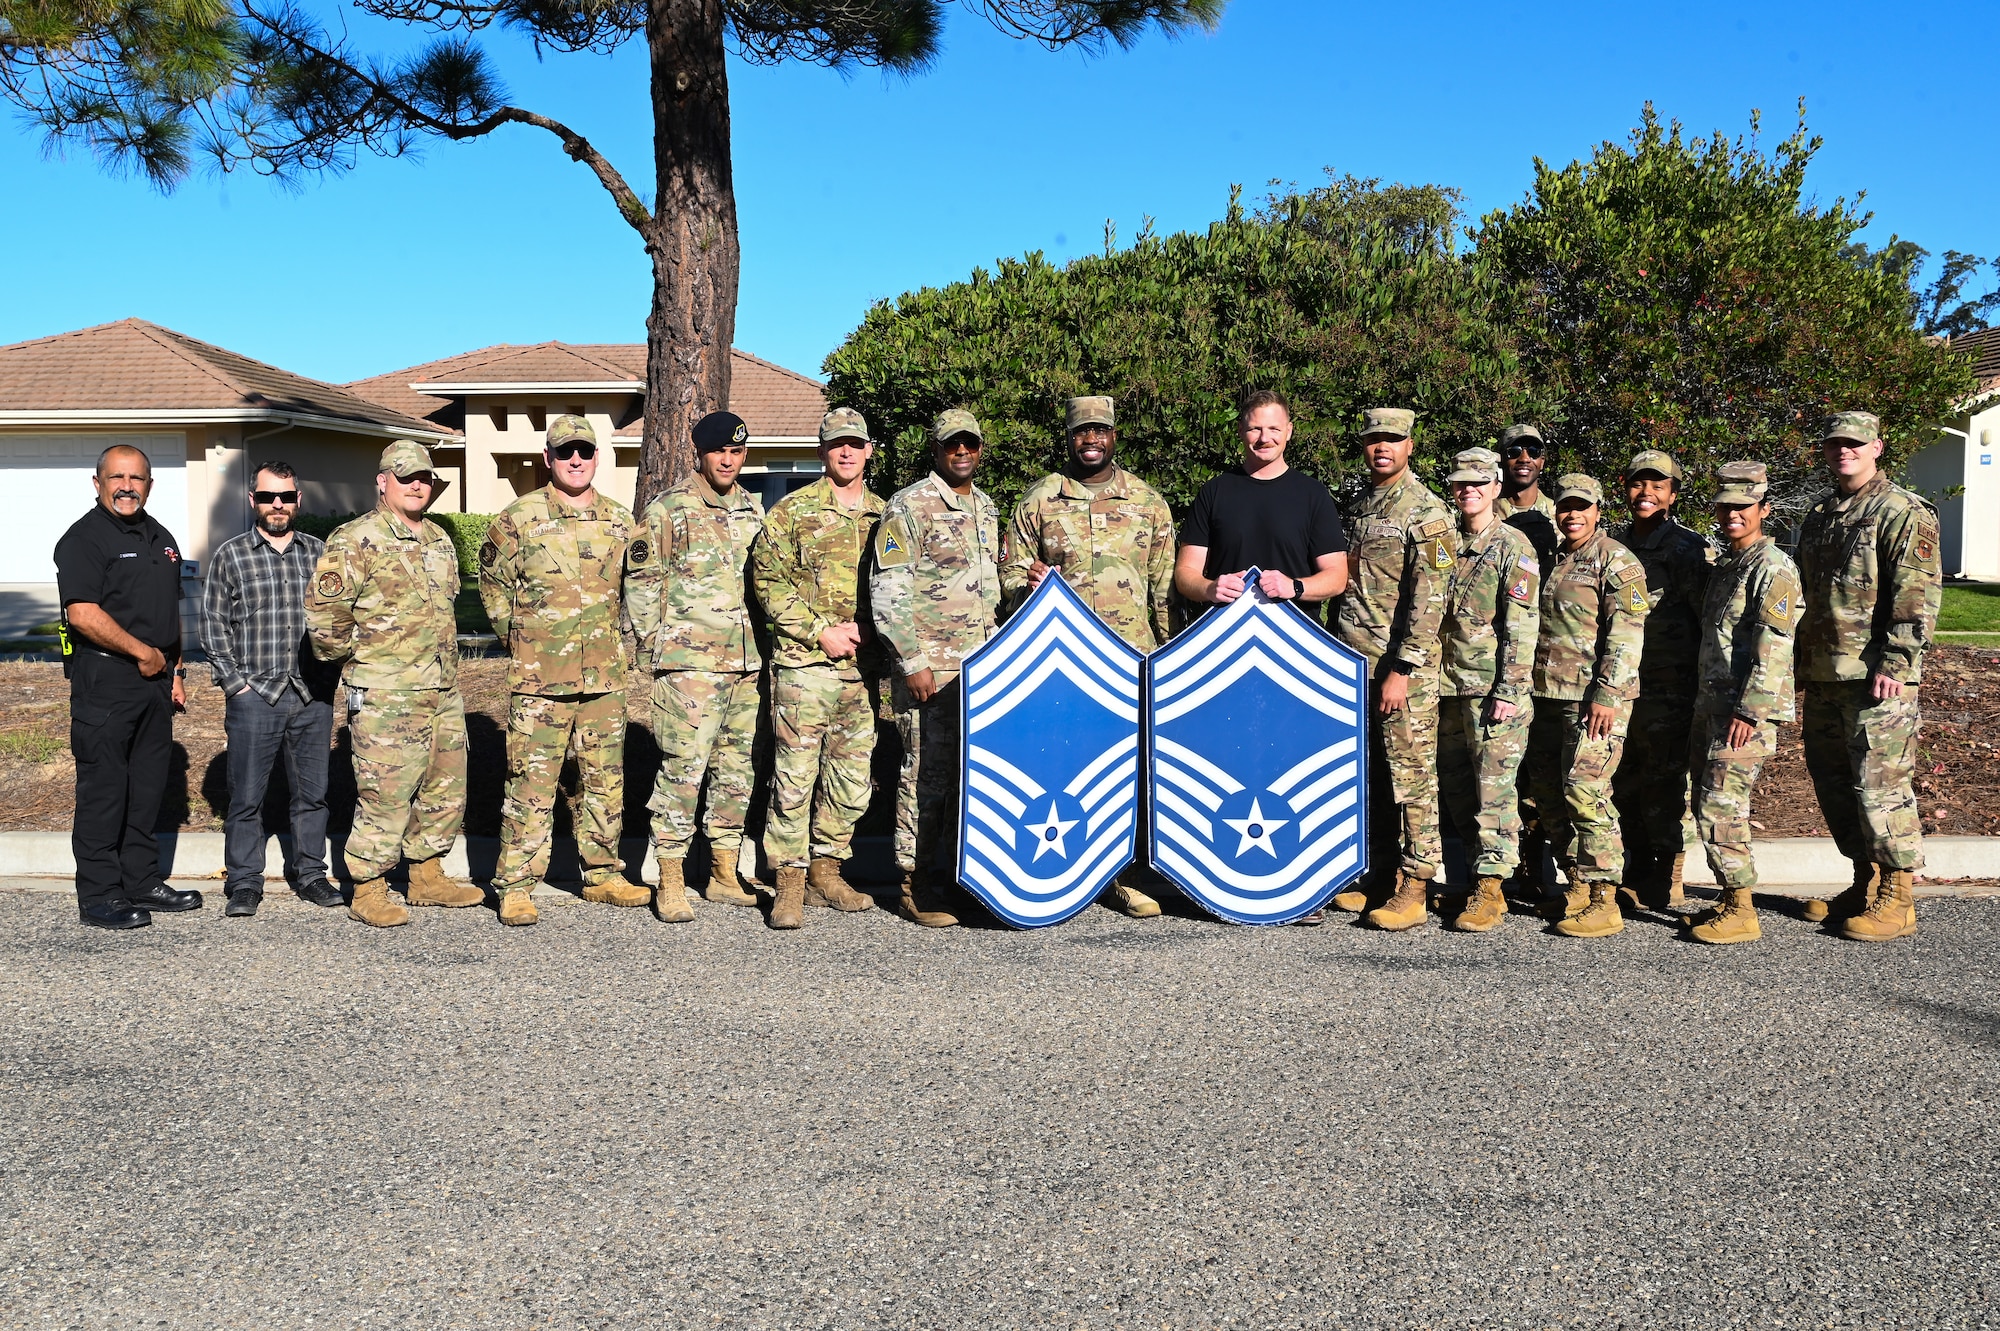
<point>1476,466</point>
<point>1576,485</point>
<point>1397,422</point>
<point>1513,432</point>
<point>955,422</point>
<point>1864,427</point>
<point>405,458</point>
<point>1742,483</point>
<point>843,423</point>
<point>1653,460</point>
<point>720,429</point>
<point>1091,411</point>
<point>567,429</point>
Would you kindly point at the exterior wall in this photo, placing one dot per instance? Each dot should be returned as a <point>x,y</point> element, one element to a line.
<point>1961,475</point>
<point>500,465</point>
<point>47,472</point>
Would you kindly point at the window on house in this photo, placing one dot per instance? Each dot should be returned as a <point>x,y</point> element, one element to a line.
<point>498,414</point>
<point>538,420</point>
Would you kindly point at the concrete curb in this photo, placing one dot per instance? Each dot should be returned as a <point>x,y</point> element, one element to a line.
<point>1783,862</point>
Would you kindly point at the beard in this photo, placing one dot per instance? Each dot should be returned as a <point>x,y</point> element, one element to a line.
<point>274,524</point>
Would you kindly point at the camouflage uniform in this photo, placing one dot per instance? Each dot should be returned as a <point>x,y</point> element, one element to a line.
<point>1752,606</point>
<point>382,602</point>
<point>1593,626</point>
<point>1492,610</point>
<point>684,591</point>
<point>1873,580</point>
<point>935,590</point>
<point>805,569</point>
<point>1401,538</point>
<point>1536,521</point>
<point>1651,785</point>
<point>1114,544</point>
<point>549,576</point>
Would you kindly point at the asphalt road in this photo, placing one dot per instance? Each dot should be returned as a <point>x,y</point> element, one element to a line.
<point>607,1122</point>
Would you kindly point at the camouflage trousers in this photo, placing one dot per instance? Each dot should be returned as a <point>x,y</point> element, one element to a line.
<point>705,722</point>
<point>409,776</point>
<point>1403,782</point>
<point>1651,784</point>
<point>1723,781</point>
<point>541,732</point>
<point>1569,776</point>
<point>825,731</point>
<point>1479,764</point>
<point>1862,756</point>
<point>927,788</point>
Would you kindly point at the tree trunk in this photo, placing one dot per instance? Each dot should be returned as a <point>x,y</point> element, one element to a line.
<point>692,238</point>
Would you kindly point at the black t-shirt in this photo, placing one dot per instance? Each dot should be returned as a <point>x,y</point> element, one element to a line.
<point>1280,525</point>
<point>131,568</point>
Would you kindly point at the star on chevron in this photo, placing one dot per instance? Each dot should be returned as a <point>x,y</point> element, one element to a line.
<point>1256,830</point>
<point>1049,835</point>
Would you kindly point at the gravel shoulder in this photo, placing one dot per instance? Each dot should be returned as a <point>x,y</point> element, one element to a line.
<point>606,1122</point>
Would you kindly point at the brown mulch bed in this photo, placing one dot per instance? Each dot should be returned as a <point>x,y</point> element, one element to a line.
<point>1958,781</point>
<point>37,792</point>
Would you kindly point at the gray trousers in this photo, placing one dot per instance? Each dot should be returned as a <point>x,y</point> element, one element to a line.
<point>260,733</point>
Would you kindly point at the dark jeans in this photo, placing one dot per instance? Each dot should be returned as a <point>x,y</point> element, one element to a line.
<point>121,732</point>
<point>258,733</point>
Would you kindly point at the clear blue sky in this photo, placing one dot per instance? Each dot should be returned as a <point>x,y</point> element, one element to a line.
<point>852,188</point>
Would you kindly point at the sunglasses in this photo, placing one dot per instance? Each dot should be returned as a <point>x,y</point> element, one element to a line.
<point>1532,450</point>
<point>963,443</point>
<point>275,496</point>
<point>564,452</point>
<point>414,478</point>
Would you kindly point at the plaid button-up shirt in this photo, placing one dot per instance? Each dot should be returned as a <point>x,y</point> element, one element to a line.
<point>253,616</point>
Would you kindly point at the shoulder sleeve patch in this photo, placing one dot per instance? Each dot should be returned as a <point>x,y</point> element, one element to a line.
<point>1437,552</point>
<point>489,553</point>
<point>1628,573</point>
<point>1924,542</point>
<point>892,543</point>
<point>330,584</point>
<point>638,552</point>
<point>1782,607</point>
<point>1526,575</point>
<point>1632,599</point>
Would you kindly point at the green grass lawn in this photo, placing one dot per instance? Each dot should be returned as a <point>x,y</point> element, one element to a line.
<point>1970,608</point>
<point>470,613</point>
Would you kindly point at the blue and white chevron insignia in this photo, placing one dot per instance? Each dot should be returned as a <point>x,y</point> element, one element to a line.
<point>1259,761</point>
<point>1048,803</point>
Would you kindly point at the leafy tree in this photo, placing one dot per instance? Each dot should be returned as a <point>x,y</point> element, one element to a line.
<point>1941,309</point>
<point>1686,294</point>
<point>273,87</point>
<point>1342,297</point>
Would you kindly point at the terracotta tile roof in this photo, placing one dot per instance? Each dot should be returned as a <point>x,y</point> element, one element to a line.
<point>773,400</point>
<point>132,365</point>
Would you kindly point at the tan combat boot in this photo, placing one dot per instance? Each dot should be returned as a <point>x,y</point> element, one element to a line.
<point>1575,899</point>
<point>1736,922</point>
<point>1133,902</point>
<point>374,905</point>
<point>788,908</point>
<point>724,887</point>
<point>921,912</point>
<point>1364,895</point>
<point>517,909</point>
<point>616,890</point>
<point>1484,909</point>
<point>827,886</point>
<point>429,886</point>
<point>1407,908</point>
<point>670,898</point>
<point>1893,913</point>
<point>1599,919</point>
<point>1855,900</point>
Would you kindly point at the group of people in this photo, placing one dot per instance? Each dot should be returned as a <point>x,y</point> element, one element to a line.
<point>1557,682</point>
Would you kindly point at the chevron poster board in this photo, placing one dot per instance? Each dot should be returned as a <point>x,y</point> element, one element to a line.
<point>1048,803</point>
<point>1258,762</point>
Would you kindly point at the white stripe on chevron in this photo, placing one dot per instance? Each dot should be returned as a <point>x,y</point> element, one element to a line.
<point>1123,674</point>
<point>1125,773</point>
<point>1338,804</point>
<point>993,790</point>
<point>1282,646</point>
<point>1127,796</point>
<point>1056,659</point>
<point>1245,882</point>
<point>1284,679</point>
<point>1111,755</point>
<point>981,844</point>
<point>1167,799</point>
<point>1022,781</point>
<point>1265,907</point>
<point>986,813</point>
<point>1171,775</point>
<point>1180,753</point>
<point>1086,886</point>
<point>1301,771</point>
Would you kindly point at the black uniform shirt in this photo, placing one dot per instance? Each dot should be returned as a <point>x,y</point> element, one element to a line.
<point>129,567</point>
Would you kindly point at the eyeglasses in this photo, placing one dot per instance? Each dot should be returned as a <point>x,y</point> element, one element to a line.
<point>275,496</point>
<point>423,478</point>
<point>963,442</point>
<point>573,449</point>
<point>1532,450</point>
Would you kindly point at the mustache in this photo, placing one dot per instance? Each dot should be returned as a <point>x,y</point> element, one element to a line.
<point>125,494</point>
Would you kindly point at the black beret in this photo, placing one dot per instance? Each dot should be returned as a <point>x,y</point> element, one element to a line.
<point>719,429</point>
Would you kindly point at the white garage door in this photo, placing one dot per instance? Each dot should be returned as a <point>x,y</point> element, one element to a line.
<point>45,479</point>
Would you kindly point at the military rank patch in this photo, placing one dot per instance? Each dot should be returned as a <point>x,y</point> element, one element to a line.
<point>488,553</point>
<point>638,552</point>
<point>329,584</point>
